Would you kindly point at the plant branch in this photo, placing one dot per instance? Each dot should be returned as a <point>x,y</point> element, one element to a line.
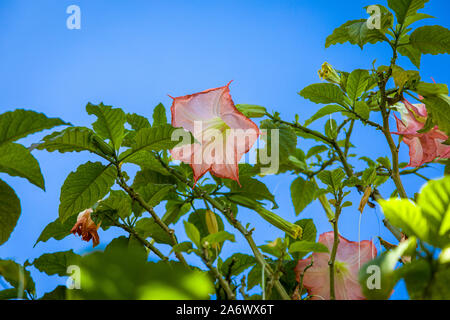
<point>135,196</point>
<point>229,215</point>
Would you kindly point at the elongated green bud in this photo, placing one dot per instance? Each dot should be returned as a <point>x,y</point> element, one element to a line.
<point>251,110</point>
<point>295,231</point>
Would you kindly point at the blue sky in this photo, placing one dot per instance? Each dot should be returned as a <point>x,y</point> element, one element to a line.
<point>132,54</point>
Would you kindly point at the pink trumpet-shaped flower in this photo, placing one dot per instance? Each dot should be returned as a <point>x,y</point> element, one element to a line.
<point>423,147</point>
<point>349,257</point>
<point>223,134</point>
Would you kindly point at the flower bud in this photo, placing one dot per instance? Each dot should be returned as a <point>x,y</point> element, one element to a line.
<point>328,73</point>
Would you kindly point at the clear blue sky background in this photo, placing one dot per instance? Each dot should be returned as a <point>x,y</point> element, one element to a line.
<point>131,54</point>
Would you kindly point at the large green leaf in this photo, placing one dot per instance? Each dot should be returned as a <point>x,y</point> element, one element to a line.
<point>307,246</point>
<point>302,193</point>
<point>16,160</point>
<point>323,93</point>
<point>118,201</point>
<point>404,214</point>
<point>73,139</point>
<point>57,230</point>
<point>137,122</point>
<point>146,161</point>
<point>439,107</point>
<point>325,111</point>
<point>147,227</point>
<point>154,139</point>
<point>412,53</point>
<point>434,200</point>
<point>128,276</point>
<point>236,264</point>
<point>253,189</point>
<point>431,39</point>
<point>20,123</point>
<point>84,187</point>
<point>192,233</point>
<point>333,179</point>
<point>405,8</point>
<point>357,31</point>
<point>357,83</point>
<point>9,211</point>
<point>16,275</point>
<point>159,115</point>
<point>110,123</point>
<point>56,263</point>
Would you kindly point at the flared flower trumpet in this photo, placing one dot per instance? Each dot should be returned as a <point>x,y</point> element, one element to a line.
<point>350,257</point>
<point>223,134</point>
<point>423,147</point>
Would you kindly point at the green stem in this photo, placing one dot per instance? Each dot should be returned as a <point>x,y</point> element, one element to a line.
<point>135,196</point>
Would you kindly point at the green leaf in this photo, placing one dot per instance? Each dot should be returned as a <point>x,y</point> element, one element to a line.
<point>333,178</point>
<point>325,111</point>
<point>154,139</point>
<point>9,294</point>
<point>84,187</point>
<point>357,31</point>
<point>405,8</point>
<point>9,211</point>
<point>279,139</point>
<point>110,123</point>
<point>56,263</point>
<point>182,247</point>
<point>377,277</point>
<point>307,246</point>
<point>20,123</point>
<point>159,115</point>
<point>331,129</point>
<point>302,193</point>
<point>309,229</point>
<point>57,230</point>
<point>72,139</point>
<point>147,227</point>
<point>323,93</point>
<point>362,109</point>
<point>219,237</point>
<point>275,248</point>
<point>416,17</point>
<point>137,122</point>
<point>404,214</point>
<point>434,200</point>
<point>14,273</point>
<point>431,40</point>
<point>357,83</point>
<point>192,233</point>
<point>412,53</point>
<point>119,201</point>
<point>236,264</point>
<point>153,194</point>
<point>316,150</point>
<point>439,107</point>
<point>16,160</point>
<point>59,293</point>
<point>146,160</point>
<point>253,189</point>
<point>128,276</point>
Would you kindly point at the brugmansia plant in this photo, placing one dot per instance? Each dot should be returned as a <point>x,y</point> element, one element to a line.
<point>191,168</point>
